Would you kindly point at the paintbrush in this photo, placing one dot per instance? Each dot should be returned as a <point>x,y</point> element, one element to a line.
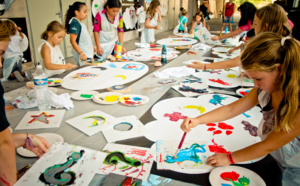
<point>181,142</point>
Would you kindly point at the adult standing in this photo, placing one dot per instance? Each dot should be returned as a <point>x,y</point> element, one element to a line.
<point>228,12</point>
<point>204,8</point>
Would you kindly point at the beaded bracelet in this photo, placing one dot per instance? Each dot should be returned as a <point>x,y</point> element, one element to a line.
<point>230,158</point>
<point>29,142</point>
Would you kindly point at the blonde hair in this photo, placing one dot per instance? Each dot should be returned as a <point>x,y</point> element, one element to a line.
<point>152,8</point>
<point>53,27</point>
<point>184,12</point>
<point>7,29</point>
<point>264,53</point>
<point>275,18</point>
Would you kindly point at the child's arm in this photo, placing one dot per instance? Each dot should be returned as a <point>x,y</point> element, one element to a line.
<point>45,52</point>
<point>74,44</point>
<point>185,25</point>
<point>273,141</point>
<point>149,26</point>
<point>193,27</point>
<point>234,62</point>
<point>98,46</point>
<point>235,48</point>
<point>159,19</point>
<point>204,23</point>
<point>121,37</point>
<point>228,35</point>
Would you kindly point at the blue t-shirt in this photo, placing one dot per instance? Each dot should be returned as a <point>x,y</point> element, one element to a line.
<point>75,28</point>
<point>183,20</point>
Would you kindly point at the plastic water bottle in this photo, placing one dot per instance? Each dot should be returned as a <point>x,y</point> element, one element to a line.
<point>164,55</point>
<point>226,31</point>
<point>41,89</point>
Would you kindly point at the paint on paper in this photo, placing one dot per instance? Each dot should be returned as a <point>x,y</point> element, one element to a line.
<point>42,118</point>
<point>121,76</point>
<point>219,81</point>
<point>175,116</point>
<point>96,119</point>
<point>111,98</point>
<point>133,66</point>
<point>200,108</point>
<point>235,179</point>
<point>251,128</point>
<point>189,154</point>
<point>84,75</point>
<point>217,148</point>
<point>217,99</point>
<point>191,89</point>
<point>213,71</point>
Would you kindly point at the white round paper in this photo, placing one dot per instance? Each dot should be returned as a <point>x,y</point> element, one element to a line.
<point>106,98</point>
<point>177,41</point>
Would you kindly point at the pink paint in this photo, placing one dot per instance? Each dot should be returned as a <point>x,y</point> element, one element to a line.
<point>137,152</point>
<point>225,126</point>
<point>126,169</point>
<point>228,132</point>
<point>233,176</point>
<point>217,148</point>
<point>219,81</point>
<point>217,132</point>
<point>175,116</point>
<point>136,170</point>
<point>211,129</point>
<point>211,124</point>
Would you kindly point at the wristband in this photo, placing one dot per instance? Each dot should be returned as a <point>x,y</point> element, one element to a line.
<point>230,158</point>
<point>29,142</point>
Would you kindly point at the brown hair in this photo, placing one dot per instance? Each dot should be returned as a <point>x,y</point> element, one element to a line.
<point>153,5</point>
<point>275,18</point>
<point>199,14</point>
<point>184,12</point>
<point>264,53</point>
<point>53,27</point>
<point>7,29</point>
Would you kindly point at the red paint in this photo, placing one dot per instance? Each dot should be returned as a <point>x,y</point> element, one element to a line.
<point>127,182</point>
<point>211,129</point>
<point>219,81</point>
<point>244,93</point>
<point>155,49</point>
<point>4,181</point>
<point>132,103</point>
<point>230,175</point>
<point>225,126</point>
<point>175,116</point>
<point>217,132</point>
<point>211,124</point>
<point>160,158</point>
<point>217,148</point>
<point>137,152</point>
<point>228,132</point>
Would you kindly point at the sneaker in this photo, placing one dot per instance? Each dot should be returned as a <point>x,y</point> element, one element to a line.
<point>29,75</point>
<point>18,76</point>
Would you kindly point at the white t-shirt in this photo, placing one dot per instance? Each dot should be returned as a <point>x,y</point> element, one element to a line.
<point>13,48</point>
<point>141,14</point>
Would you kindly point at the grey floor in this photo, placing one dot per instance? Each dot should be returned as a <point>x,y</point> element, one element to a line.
<point>214,24</point>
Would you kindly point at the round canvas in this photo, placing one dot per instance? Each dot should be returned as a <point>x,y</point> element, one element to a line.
<point>52,82</point>
<point>133,99</point>
<point>50,137</point>
<point>83,95</point>
<point>101,77</point>
<point>107,98</point>
<point>177,41</point>
<point>237,175</point>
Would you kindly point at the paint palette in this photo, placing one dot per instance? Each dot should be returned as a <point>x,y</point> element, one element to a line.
<point>107,98</point>
<point>54,82</point>
<point>51,139</point>
<point>83,95</point>
<point>133,100</point>
<point>237,175</point>
<point>243,91</point>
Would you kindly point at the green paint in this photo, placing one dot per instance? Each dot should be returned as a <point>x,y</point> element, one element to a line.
<point>115,157</point>
<point>244,181</point>
<point>124,167</point>
<point>88,96</point>
<point>96,6</point>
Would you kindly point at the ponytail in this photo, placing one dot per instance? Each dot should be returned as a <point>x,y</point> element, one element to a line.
<point>71,13</point>
<point>53,27</point>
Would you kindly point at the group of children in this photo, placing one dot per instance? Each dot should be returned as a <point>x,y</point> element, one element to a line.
<point>271,58</point>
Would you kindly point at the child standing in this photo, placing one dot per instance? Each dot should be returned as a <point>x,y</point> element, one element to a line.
<point>273,62</point>
<point>198,22</point>
<point>228,12</point>
<point>51,57</point>
<point>153,15</point>
<point>79,35</point>
<point>140,13</point>
<point>183,22</point>
<point>108,28</point>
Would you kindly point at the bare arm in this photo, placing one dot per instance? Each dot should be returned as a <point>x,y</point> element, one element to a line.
<point>121,38</point>
<point>223,113</point>
<point>76,47</point>
<point>8,170</point>
<point>159,19</point>
<point>204,23</point>
<point>193,27</point>
<point>98,46</point>
<point>228,35</point>
<point>234,62</point>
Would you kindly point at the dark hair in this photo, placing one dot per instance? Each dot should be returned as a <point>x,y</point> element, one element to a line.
<point>247,13</point>
<point>53,27</point>
<point>137,5</point>
<point>71,13</point>
<point>251,33</point>
<point>282,4</point>
<point>181,8</point>
<point>112,4</point>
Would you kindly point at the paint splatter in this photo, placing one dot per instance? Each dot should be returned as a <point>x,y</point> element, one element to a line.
<point>233,176</point>
<point>211,129</point>
<point>217,132</point>
<point>213,71</point>
<point>111,98</point>
<point>225,126</point>
<point>217,99</point>
<point>96,119</point>
<point>244,93</point>
<point>219,81</point>
<point>251,128</point>
<point>231,76</point>
<point>112,65</point>
<point>200,108</point>
<point>222,126</point>
<point>228,132</point>
<point>217,148</point>
<point>137,152</point>
<point>192,81</point>
<point>42,118</point>
<point>211,124</point>
<point>191,89</point>
<point>188,154</point>
<point>175,116</point>
<point>83,75</point>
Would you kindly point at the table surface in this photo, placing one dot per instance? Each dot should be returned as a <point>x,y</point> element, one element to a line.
<point>143,86</point>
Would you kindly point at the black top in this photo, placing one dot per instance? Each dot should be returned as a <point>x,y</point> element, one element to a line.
<point>3,120</point>
<point>203,9</point>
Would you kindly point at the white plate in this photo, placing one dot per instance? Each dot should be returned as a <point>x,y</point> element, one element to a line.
<point>50,137</point>
<point>52,82</point>
<point>78,94</point>
<point>243,91</point>
<point>107,98</point>
<point>215,176</point>
<point>133,99</point>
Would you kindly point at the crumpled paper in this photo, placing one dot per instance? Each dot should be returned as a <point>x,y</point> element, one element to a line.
<point>176,72</point>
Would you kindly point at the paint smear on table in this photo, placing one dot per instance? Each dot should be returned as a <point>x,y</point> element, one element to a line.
<point>200,108</point>
<point>175,116</point>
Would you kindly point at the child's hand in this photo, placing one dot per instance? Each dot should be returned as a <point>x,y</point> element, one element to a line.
<point>83,57</point>
<point>231,50</point>
<point>69,66</point>
<point>157,27</point>
<point>99,51</point>
<point>195,65</point>
<point>219,159</point>
<point>94,49</point>
<point>40,145</point>
<point>215,38</point>
<point>188,123</point>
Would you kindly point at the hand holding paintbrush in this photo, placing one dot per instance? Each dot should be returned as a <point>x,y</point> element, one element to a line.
<point>181,142</point>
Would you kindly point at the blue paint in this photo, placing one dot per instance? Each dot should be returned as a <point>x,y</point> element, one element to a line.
<point>247,116</point>
<point>112,65</point>
<point>133,66</point>
<point>137,99</point>
<point>225,184</point>
<point>217,99</point>
<point>189,154</point>
<point>156,180</point>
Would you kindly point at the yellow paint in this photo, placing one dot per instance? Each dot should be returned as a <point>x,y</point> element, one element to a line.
<point>121,76</point>
<point>231,76</point>
<point>111,98</point>
<point>200,108</point>
<point>57,81</point>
